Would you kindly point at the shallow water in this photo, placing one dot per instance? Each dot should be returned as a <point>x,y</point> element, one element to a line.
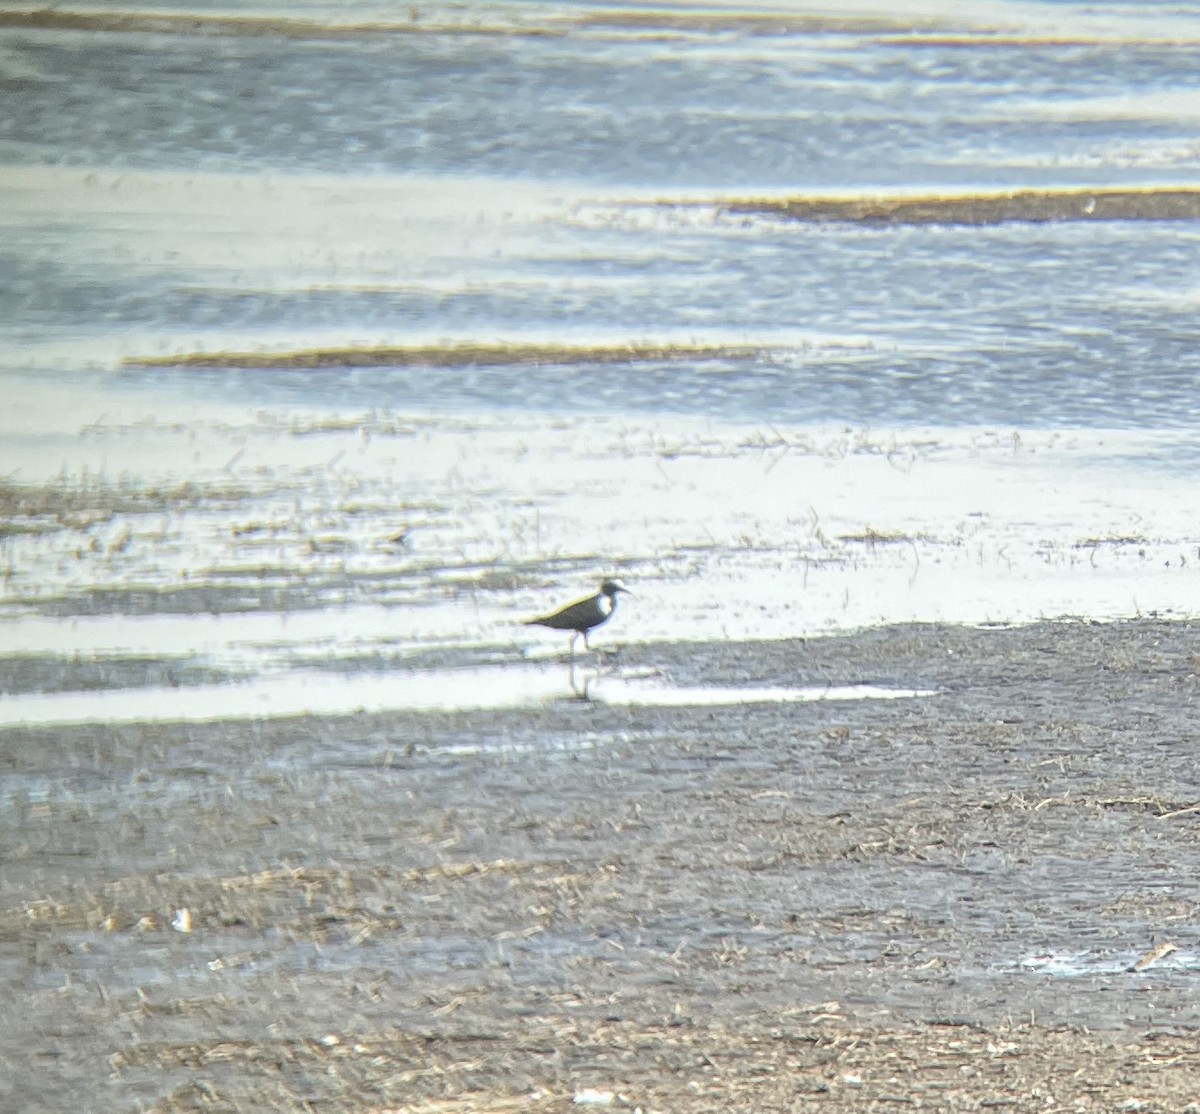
<point>427,690</point>
<point>241,191</point>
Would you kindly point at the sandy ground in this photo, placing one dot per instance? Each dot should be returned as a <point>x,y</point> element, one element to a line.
<point>841,905</point>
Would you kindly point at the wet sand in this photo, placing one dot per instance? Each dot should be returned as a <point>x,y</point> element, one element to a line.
<point>851,905</point>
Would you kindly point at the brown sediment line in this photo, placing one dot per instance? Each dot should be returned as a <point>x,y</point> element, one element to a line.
<point>453,355</point>
<point>617,21</point>
<point>287,27</point>
<point>1038,206</point>
<point>907,31</point>
<point>247,26</point>
<point>1033,39</point>
<point>753,23</point>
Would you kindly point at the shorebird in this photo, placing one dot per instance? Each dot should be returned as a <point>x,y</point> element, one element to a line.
<point>582,615</point>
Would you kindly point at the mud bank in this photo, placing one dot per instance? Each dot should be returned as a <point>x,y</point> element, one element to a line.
<point>458,356</point>
<point>856,903</point>
<point>1037,206</point>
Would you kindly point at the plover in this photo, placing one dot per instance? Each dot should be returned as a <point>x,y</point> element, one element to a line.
<point>582,615</point>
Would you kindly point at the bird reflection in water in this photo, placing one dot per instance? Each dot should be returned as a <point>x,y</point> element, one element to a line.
<point>582,678</point>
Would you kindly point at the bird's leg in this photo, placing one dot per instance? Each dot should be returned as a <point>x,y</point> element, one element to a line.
<point>575,635</point>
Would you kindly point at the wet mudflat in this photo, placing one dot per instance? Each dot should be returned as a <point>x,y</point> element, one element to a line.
<point>842,904</point>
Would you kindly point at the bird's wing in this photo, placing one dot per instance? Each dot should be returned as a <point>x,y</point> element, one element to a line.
<point>573,615</point>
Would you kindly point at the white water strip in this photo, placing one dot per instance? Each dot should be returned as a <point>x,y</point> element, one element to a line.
<point>306,692</point>
<point>1076,964</point>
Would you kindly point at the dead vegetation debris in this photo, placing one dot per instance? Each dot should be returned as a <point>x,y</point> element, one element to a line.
<point>683,1064</point>
<point>77,504</point>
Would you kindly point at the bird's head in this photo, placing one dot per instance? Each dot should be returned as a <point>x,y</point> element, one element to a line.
<point>611,587</point>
